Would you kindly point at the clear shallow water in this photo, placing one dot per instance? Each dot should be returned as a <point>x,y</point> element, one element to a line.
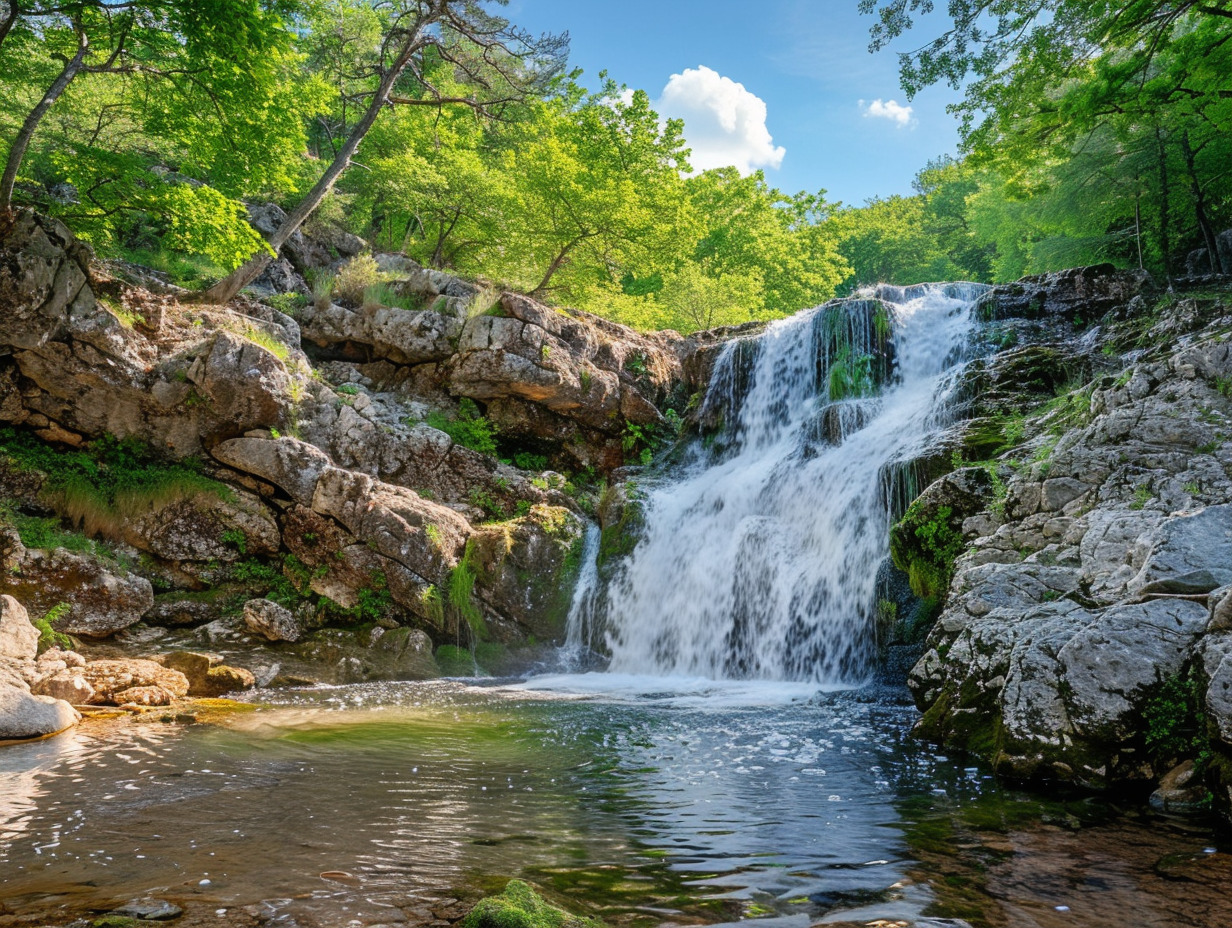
<point>681,801</point>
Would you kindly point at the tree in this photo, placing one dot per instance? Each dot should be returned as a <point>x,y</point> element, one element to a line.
<point>497,61</point>
<point>597,192</point>
<point>178,41</point>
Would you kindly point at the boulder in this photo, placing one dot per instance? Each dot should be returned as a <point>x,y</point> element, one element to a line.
<point>69,685</point>
<point>101,599</point>
<point>19,639</point>
<point>290,464</point>
<point>271,621</point>
<point>114,681</point>
<point>206,527</point>
<point>1086,292</point>
<point>24,715</point>
<point>525,572</point>
<point>207,676</point>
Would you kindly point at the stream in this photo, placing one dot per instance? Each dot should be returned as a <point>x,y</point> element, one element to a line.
<point>732,764</point>
<point>640,800</point>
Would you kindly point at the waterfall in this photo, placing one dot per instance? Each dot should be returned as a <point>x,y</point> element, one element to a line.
<point>758,559</point>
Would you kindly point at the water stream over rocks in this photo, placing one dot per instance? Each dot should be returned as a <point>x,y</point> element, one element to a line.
<point>760,560</point>
<point>727,766</point>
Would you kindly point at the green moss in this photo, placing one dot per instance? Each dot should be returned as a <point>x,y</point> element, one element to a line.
<point>924,544</point>
<point>620,538</point>
<point>519,906</point>
<point>456,662</point>
<point>114,921</point>
<point>462,591</point>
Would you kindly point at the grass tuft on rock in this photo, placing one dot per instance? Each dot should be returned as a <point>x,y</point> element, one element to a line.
<point>109,482</point>
<point>519,906</point>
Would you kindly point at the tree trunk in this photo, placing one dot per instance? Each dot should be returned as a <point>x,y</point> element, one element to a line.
<point>9,20</point>
<point>1165,246</point>
<point>227,288</point>
<point>22,141</point>
<point>1199,197</point>
<point>555,266</point>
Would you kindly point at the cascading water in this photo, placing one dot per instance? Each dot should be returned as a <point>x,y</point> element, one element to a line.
<point>759,561</point>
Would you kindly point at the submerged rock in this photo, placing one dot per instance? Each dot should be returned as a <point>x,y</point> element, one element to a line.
<point>519,906</point>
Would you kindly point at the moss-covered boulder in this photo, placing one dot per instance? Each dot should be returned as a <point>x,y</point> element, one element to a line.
<point>524,572</point>
<point>519,906</point>
<point>929,537</point>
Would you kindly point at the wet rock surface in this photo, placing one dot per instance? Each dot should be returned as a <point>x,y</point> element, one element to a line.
<point>1085,613</point>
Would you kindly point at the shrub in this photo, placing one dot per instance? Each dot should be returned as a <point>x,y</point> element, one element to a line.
<point>468,428</point>
<point>354,277</point>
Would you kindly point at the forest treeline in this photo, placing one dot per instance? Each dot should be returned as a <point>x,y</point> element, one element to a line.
<point>1090,132</point>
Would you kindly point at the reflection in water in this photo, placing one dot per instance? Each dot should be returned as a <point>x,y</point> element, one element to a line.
<point>701,801</point>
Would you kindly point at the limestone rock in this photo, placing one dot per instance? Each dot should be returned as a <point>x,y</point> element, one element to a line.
<point>101,601</point>
<point>1090,291</point>
<point>206,527</point>
<point>24,715</point>
<point>270,620</point>
<point>398,335</point>
<point>19,639</point>
<point>143,696</point>
<point>69,685</point>
<point>291,465</point>
<point>1189,554</point>
<point>113,678</point>
<point>206,675</point>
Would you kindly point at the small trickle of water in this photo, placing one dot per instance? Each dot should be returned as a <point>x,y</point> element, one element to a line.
<point>760,561</point>
<point>581,626</point>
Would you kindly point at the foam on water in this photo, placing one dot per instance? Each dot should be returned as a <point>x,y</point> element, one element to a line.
<point>760,562</point>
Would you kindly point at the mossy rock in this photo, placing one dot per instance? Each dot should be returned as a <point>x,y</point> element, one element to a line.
<point>115,921</point>
<point>456,662</point>
<point>519,906</point>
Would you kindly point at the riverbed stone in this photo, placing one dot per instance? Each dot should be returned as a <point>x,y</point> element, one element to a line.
<point>113,678</point>
<point>19,639</point>
<point>271,621</point>
<point>25,715</point>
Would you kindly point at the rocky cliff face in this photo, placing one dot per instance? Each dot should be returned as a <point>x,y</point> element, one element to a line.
<point>1086,562</point>
<point>165,462</point>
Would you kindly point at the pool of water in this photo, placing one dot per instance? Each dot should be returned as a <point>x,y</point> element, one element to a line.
<point>640,801</point>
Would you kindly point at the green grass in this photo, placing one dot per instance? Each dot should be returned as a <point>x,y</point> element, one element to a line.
<point>107,483</point>
<point>191,271</point>
<point>268,342</point>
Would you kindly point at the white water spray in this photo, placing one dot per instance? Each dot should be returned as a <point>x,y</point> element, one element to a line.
<point>762,563</point>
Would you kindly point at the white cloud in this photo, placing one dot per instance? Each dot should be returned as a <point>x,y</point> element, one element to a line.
<point>724,123</point>
<point>891,110</point>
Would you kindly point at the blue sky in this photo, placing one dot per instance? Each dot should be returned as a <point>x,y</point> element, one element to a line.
<point>808,62</point>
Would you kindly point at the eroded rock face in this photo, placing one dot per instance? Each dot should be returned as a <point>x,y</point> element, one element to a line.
<point>100,601</point>
<point>1100,575</point>
<point>1087,291</point>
